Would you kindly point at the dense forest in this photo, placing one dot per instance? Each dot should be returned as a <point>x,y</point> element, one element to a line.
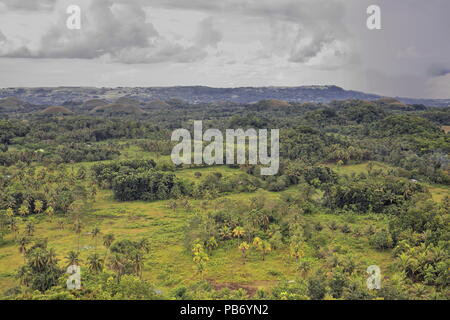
<point>92,184</point>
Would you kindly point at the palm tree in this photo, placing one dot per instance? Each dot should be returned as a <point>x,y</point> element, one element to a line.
<point>211,244</point>
<point>138,264</point>
<point>23,242</point>
<point>243,247</point>
<point>144,245</point>
<point>77,227</point>
<point>238,232</point>
<point>225,233</point>
<point>38,206</point>
<point>304,266</point>
<point>95,232</point>
<point>14,227</point>
<point>29,228</point>
<point>95,263</point>
<point>108,239</point>
<point>23,210</point>
<point>265,249</point>
<point>49,211</point>
<point>116,264</point>
<point>9,212</point>
<point>296,250</point>
<point>73,258</point>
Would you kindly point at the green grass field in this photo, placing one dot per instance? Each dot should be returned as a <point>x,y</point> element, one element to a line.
<point>169,263</point>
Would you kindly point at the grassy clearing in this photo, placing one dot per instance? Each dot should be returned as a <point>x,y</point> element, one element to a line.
<point>169,263</point>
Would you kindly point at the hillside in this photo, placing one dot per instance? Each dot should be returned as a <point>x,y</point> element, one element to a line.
<point>117,109</point>
<point>56,110</point>
<point>199,94</point>
<point>13,104</point>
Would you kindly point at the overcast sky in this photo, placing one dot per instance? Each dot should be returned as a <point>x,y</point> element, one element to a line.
<point>228,43</point>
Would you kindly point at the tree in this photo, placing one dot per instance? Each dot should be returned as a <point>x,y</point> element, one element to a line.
<point>225,233</point>
<point>38,206</point>
<point>108,239</point>
<point>316,287</point>
<point>211,244</point>
<point>265,248</point>
<point>200,258</point>
<point>29,228</point>
<point>144,245</point>
<point>138,264</point>
<point>23,242</point>
<point>238,232</point>
<point>9,212</point>
<point>77,228</point>
<point>13,225</point>
<point>23,210</point>
<point>41,271</point>
<point>94,233</point>
<point>95,263</point>
<point>381,240</point>
<point>49,211</point>
<point>117,264</point>
<point>243,247</point>
<point>296,250</point>
<point>73,258</point>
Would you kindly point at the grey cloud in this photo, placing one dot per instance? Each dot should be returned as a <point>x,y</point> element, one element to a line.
<point>438,71</point>
<point>2,37</point>
<point>207,35</point>
<point>117,30</point>
<point>31,5</point>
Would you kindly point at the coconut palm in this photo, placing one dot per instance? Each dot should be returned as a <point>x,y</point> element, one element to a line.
<point>49,211</point>
<point>138,264</point>
<point>23,242</point>
<point>225,233</point>
<point>296,250</point>
<point>78,227</point>
<point>29,228</point>
<point>243,247</point>
<point>23,210</point>
<point>108,239</point>
<point>238,232</point>
<point>9,212</point>
<point>117,264</point>
<point>144,245</point>
<point>38,206</point>
<point>265,248</point>
<point>95,263</point>
<point>14,226</point>
<point>73,258</point>
<point>94,233</point>
<point>211,244</point>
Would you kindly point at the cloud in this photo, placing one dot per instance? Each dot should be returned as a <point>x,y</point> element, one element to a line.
<point>438,70</point>
<point>118,31</point>
<point>31,5</point>
<point>207,35</point>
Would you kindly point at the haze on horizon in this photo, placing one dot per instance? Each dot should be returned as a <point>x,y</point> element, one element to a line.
<point>228,43</point>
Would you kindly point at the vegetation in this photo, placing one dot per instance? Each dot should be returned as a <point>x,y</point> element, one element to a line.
<point>361,183</point>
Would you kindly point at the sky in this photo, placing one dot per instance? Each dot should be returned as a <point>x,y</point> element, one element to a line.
<point>228,43</point>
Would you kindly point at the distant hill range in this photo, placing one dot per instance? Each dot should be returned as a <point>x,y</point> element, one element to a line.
<point>196,94</point>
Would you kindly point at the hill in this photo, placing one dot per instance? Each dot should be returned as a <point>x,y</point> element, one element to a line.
<point>117,109</point>
<point>199,94</point>
<point>56,110</point>
<point>13,104</point>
